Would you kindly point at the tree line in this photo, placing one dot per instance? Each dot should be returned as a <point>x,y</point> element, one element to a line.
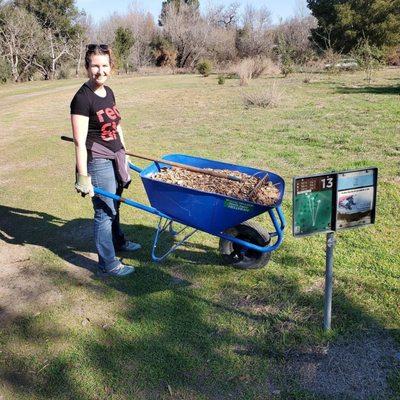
<point>45,39</point>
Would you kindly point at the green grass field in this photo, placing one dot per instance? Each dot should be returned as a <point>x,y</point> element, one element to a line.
<point>191,328</point>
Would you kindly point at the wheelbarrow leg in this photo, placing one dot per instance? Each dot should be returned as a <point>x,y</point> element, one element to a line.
<point>168,225</point>
<point>162,227</point>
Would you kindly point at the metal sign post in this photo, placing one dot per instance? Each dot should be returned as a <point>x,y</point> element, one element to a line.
<point>329,203</point>
<point>330,246</point>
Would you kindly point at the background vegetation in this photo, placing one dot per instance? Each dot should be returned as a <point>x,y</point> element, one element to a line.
<point>191,328</point>
<point>46,39</point>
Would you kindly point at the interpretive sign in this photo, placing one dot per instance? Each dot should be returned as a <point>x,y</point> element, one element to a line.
<point>330,202</point>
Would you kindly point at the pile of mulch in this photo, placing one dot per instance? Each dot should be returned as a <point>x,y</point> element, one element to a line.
<point>266,194</point>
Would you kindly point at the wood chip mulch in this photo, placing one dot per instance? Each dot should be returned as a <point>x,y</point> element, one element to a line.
<point>266,194</point>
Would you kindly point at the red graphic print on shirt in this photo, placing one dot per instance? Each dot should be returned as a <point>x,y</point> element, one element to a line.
<point>109,118</point>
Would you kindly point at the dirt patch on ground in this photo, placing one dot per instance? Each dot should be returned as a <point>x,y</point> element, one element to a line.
<point>317,286</point>
<point>25,288</point>
<point>257,306</point>
<point>22,288</point>
<point>356,368</point>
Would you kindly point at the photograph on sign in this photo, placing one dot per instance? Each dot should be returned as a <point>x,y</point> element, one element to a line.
<point>313,204</point>
<point>354,207</point>
<point>356,198</point>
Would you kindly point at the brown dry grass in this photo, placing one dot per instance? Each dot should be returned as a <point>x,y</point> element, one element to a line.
<point>265,98</point>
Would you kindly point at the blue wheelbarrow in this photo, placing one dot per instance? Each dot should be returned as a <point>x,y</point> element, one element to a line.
<point>243,243</point>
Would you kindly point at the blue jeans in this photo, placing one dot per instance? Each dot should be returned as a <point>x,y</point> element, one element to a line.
<point>107,232</point>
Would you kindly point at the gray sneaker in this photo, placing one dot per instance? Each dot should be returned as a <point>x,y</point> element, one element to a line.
<point>130,246</point>
<point>121,270</point>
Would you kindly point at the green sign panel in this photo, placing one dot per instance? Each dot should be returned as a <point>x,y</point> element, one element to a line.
<point>330,202</point>
<point>313,204</point>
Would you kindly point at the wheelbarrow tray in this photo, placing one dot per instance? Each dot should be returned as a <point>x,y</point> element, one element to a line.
<point>209,212</point>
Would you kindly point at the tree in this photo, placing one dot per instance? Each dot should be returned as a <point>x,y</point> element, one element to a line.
<point>188,32</point>
<point>21,38</point>
<point>58,20</point>
<point>222,21</point>
<point>77,45</point>
<point>293,35</point>
<point>223,16</point>
<point>343,23</point>
<point>144,30</point>
<point>176,4</point>
<point>142,26</point>
<point>254,37</point>
<point>123,42</point>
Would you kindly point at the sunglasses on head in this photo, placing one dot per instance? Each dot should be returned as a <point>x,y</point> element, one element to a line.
<point>93,46</point>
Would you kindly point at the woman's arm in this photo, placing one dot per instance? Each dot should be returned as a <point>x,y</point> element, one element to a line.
<point>80,126</point>
<point>121,135</point>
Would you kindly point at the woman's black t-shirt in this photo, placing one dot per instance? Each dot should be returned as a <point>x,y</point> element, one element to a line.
<point>103,116</point>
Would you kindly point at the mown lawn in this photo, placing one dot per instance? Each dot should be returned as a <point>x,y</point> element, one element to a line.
<point>191,328</point>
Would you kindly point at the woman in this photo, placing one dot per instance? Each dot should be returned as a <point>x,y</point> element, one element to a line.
<point>100,157</point>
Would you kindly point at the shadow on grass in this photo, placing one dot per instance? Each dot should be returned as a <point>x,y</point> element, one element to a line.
<point>69,238</point>
<point>392,89</point>
<point>32,380</point>
<point>184,342</point>
<point>23,227</point>
<point>171,339</point>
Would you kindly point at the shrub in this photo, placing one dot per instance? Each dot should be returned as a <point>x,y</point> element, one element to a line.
<point>286,55</point>
<point>5,70</point>
<point>393,56</point>
<point>308,69</point>
<point>250,68</point>
<point>264,65</point>
<point>287,68</point>
<point>183,71</point>
<point>316,65</point>
<point>232,75</point>
<point>330,60</point>
<point>266,98</point>
<point>163,52</point>
<point>63,73</point>
<point>368,57</point>
<point>204,67</point>
<point>245,71</point>
<point>221,79</point>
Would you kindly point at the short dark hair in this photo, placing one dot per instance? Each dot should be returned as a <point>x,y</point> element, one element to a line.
<point>98,49</point>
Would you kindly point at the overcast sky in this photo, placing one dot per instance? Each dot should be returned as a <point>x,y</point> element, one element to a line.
<point>99,10</point>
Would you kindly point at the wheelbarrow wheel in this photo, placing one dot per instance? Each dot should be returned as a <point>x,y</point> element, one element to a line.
<point>241,257</point>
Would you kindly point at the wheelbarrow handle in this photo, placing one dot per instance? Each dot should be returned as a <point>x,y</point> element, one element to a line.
<point>175,164</point>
